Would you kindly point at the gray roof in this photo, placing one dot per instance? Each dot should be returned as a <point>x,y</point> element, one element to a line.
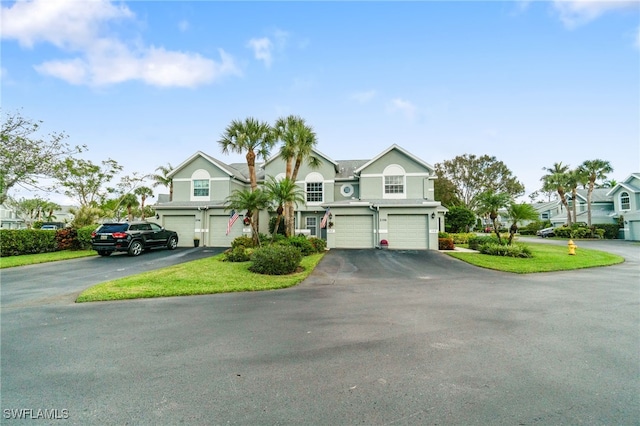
<point>346,168</point>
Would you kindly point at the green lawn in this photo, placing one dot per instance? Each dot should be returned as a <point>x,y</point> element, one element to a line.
<point>546,258</point>
<point>32,259</point>
<point>204,276</point>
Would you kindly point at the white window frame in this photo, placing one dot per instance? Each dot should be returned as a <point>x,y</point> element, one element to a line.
<point>394,171</point>
<point>200,175</point>
<point>624,195</point>
<point>312,227</point>
<point>314,178</point>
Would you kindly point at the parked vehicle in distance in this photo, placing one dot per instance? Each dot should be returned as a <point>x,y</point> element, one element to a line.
<point>49,227</point>
<point>132,237</point>
<point>546,232</point>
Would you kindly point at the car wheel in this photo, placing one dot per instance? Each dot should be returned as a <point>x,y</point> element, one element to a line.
<point>104,253</point>
<point>172,243</point>
<point>136,248</point>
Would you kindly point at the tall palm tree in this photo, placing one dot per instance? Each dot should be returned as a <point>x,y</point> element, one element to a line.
<point>594,170</point>
<point>163,178</point>
<point>282,192</point>
<point>519,212</point>
<point>143,192</point>
<point>254,137</point>
<point>489,202</point>
<point>299,140</point>
<point>556,179</point>
<point>575,178</point>
<point>252,202</point>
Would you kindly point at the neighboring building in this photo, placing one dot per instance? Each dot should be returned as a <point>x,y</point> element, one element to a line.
<point>390,197</point>
<point>9,219</point>
<point>626,201</point>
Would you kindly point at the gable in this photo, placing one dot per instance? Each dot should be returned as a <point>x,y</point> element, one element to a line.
<point>399,157</point>
<point>202,161</point>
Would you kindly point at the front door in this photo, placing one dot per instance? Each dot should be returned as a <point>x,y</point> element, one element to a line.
<point>312,225</point>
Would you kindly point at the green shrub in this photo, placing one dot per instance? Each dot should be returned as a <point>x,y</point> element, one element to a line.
<point>84,236</point>
<point>443,235</point>
<point>514,250</point>
<point>563,232</point>
<point>303,244</point>
<point>67,239</point>
<point>275,260</point>
<point>476,241</point>
<point>319,245</point>
<point>281,226</point>
<point>445,244</point>
<point>462,238</point>
<point>14,242</point>
<point>242,241</point>
<point>610,230</point>
<point>237,254</point>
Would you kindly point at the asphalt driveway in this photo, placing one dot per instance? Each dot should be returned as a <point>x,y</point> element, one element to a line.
<point>371,337</point>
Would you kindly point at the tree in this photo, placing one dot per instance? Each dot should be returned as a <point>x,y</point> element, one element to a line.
<point>85,216</point>
<point>488,204</point>
<point>557,179</point>
<point>129,201</point>
<point>460,219</point>
<point>282,192</point>
<point>469,176</point>
<point>143,192</point>
<point>517,213</point>
<point>29,210</point>
<point>575,178</point>
<point>298,140</point>
<point>251,136</point>
<point>446,192</point>
<point>252,202</point>
<point>594,170</point>
<point>163,179</point>
<point>26,157</point>
<point>84,181</point>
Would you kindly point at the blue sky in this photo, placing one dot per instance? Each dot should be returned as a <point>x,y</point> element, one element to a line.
<point>148,83</point>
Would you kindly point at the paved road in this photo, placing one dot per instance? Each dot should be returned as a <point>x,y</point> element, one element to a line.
<point>61,282</point>
<point>371,337</point>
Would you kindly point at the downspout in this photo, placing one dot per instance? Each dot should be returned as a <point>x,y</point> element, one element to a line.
<point>202,226</point>
<point>376,220</point>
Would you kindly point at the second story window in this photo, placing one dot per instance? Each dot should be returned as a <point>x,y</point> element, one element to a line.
<point>201,188</point>
<point>314,192</point>
<point>624,201</point>
<point>393,184</point>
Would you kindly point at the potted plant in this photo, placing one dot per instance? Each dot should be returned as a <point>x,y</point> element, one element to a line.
<point>196,241</point>
<point>384,244</point>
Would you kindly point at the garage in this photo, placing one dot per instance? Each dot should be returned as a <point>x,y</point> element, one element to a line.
<point>354,231</point>
<point>408,231</point>
<point>218,231</point>
<point>184,226</point>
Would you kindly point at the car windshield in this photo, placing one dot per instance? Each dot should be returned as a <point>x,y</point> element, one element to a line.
<point>110,228</point>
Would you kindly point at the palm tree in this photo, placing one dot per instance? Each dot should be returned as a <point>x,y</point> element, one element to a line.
<point>594,170</point>
<point>575,178</point>
<point>253,136</point>
<point>519,212</point>
<point>556,180</point>
<point>143,192</point>
<point>299,140</point>
<point>252,202</point>
<point>129,201</point>
<point>282,192</point>
<point>489,202</point>
<point>163,179</point>
<point>50,207</point>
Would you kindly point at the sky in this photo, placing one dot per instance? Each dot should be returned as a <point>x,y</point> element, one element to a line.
<point>148,83</point>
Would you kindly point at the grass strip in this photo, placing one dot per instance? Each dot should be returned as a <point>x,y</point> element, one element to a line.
<point>32,259</point>
<point>204,276</point>
<point>546,258</point>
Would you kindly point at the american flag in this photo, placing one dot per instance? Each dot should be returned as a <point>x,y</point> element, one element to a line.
<point>323,222</point>
<point>232,219</point>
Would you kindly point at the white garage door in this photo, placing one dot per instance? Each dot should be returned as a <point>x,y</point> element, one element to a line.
<point>408,232</point>
<point>218,230</point>
<point>184,226</point>
<point>354,231</point>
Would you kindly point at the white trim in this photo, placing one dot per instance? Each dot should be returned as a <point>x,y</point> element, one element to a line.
<point>343,189</point>
<point>211,179</point>
<point>406,174</point>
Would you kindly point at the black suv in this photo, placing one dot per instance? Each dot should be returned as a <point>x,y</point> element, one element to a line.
<point>132,237</point>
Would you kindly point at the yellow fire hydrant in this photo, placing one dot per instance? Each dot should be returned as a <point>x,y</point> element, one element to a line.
<point>572,247</point>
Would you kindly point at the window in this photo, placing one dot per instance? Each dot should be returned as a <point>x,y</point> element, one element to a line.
<point>312,225</point>
<point>624,201</point>
<point>314,192</point>
<point>201,188</point>
<point>394,185</point>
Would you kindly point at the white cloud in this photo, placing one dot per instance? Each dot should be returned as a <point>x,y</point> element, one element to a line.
<point>80,26</point>
<point>363,97</point>
<point>403,106</point>
<point>574,13</point>
<point>262,49</point>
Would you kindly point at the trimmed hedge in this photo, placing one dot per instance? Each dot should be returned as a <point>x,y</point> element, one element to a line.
<point>445,244</point>
<point>237,254</point>
<point>275,260</point>
<point>476,241</point>
<point>14,242</point>
<point>514,250</point>
<point>610,230</point>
